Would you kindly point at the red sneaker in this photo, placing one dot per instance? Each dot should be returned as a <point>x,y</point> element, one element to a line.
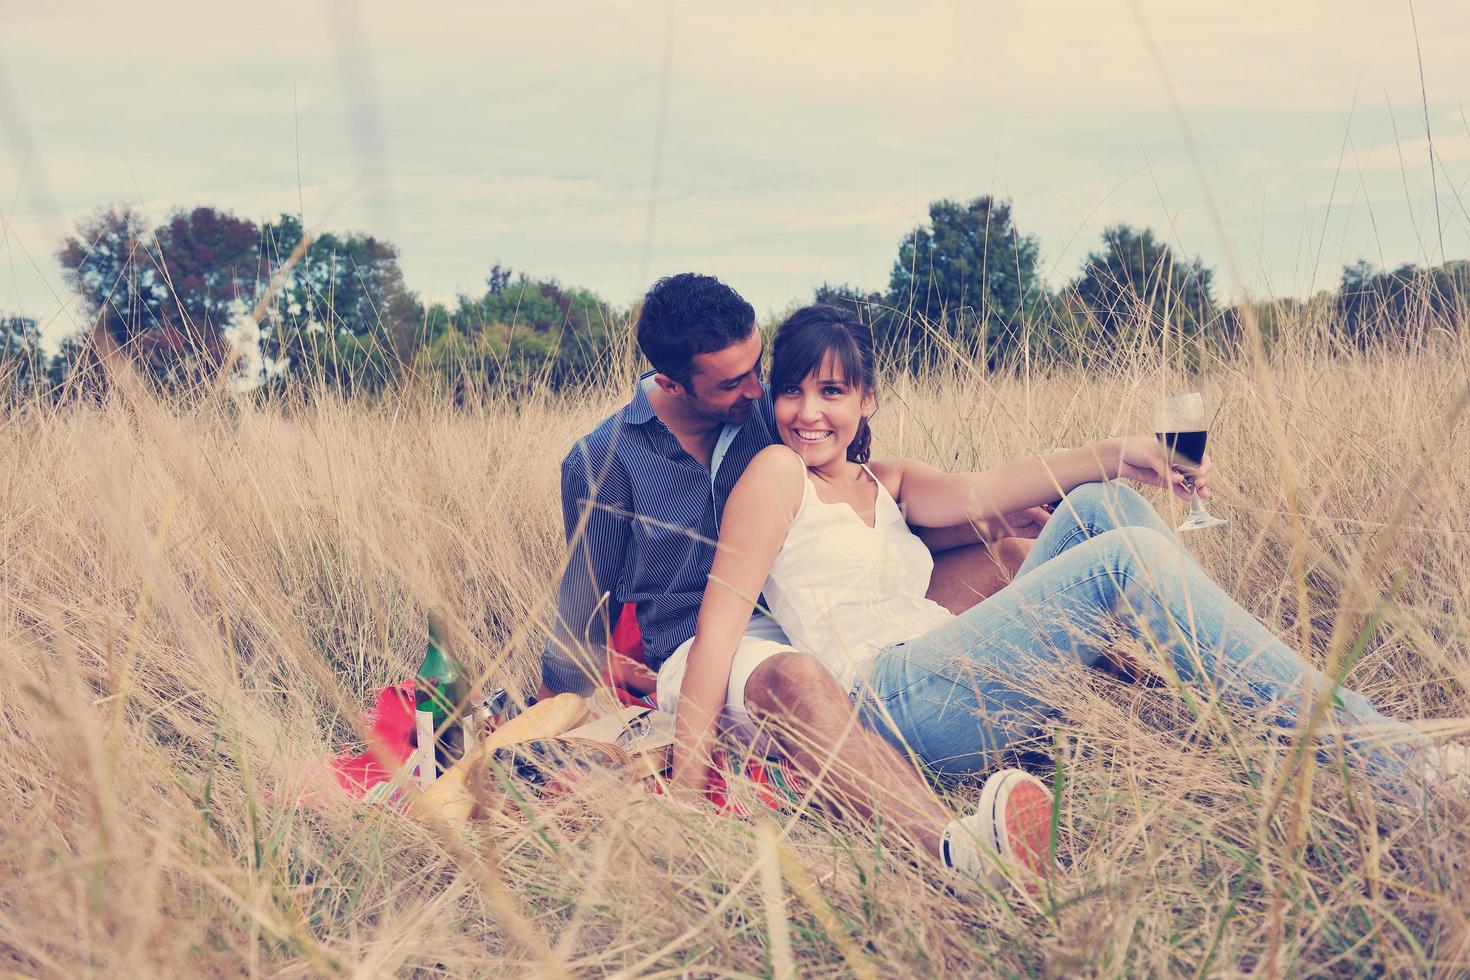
<point>1011,830</point>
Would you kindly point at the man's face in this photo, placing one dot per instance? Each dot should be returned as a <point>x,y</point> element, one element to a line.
<point>724,385</point>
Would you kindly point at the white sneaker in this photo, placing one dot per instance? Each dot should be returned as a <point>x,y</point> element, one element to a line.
<point>1011,829</point>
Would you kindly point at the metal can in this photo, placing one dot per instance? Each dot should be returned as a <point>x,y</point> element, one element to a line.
<point>486,716</point>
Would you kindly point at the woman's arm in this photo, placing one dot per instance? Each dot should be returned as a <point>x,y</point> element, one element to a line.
<point>753,527</point>
<point>933,498</point>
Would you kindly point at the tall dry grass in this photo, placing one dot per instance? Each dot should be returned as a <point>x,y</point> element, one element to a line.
<point>196,599</point>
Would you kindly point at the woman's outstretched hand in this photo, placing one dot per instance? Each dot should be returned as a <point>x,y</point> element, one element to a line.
<point>1143,458</point>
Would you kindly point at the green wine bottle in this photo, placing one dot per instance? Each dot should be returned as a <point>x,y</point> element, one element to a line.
<point>440,691</point>
<point>439,685</point>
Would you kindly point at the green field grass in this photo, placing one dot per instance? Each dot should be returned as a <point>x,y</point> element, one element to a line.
<point>197,597</point>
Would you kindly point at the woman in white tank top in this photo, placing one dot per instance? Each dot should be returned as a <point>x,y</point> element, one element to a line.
<point>825,535</point>
<point>842,589</point>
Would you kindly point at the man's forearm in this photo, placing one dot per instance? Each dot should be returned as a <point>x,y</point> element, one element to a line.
<point>563,671</point>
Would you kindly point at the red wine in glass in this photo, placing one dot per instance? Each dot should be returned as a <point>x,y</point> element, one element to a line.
<point>1186,447</point>
<point>1181,426</point>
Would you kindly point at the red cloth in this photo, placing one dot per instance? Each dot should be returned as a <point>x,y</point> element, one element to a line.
<point>626,639</point>
<point>391,740</point>
<point>392,736</point>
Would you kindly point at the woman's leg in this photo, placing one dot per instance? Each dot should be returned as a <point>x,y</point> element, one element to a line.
<point>1089,510</point>
<point>959,694</point>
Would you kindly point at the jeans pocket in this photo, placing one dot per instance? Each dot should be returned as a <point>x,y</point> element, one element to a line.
<point>865,695</point>
<point>876,682</point>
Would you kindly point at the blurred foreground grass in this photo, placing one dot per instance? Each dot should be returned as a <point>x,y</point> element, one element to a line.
<point>196,600</point>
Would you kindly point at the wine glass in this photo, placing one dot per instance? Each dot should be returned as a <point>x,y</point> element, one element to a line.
<point>1181,426</point>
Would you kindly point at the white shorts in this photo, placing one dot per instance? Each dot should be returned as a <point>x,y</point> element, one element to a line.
<point>763,639</point>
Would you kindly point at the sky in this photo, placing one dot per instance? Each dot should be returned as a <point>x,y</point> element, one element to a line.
<point>776,145</point>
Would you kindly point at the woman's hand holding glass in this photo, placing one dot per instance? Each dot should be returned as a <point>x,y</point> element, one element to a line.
<point>1183,430</point>
<point>1144,459</point>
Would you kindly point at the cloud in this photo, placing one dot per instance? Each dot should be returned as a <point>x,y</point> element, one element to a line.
<point>802,141</point>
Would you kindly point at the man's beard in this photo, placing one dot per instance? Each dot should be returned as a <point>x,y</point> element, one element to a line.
<point>739,412</point>
<point>733,415</point>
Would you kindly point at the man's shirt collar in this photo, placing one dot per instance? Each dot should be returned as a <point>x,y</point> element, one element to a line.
<point>640,409</point>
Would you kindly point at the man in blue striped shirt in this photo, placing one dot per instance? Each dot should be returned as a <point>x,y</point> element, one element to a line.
<point>643,492</point>
<point>642,496</point>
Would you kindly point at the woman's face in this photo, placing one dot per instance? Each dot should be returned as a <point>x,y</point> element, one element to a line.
<point>819,416</point>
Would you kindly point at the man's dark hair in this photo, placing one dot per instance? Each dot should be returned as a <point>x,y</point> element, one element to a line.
<point>690,314</point>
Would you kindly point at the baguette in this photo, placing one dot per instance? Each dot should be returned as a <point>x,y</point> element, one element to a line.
<point>447,797</point>
<point>544,719</point>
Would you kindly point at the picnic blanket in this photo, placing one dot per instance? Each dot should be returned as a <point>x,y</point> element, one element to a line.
<point>735,784</point>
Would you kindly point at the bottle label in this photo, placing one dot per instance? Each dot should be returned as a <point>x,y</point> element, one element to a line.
<point>428,768</point>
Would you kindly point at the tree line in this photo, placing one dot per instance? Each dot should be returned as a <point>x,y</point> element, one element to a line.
<point>208,291</point>
<point>969,282</point>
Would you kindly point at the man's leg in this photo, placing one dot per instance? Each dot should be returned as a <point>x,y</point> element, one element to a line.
<point>967,575</point>
<point>856,773</point>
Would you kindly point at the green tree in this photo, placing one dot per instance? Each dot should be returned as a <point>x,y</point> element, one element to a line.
<point>22,363</point>
<point>1136,286</point>
<point>870,306</point>
<point>1272,317</point>
<point>968,274</point>
<point>166,296</point>
<point>75,370</point>
<point>521,330</point>
<point>343,313</point>
<point>863,301</point>
<point>1374,305</point>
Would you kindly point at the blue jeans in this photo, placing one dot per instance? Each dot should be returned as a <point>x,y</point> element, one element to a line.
<point>958,697</point>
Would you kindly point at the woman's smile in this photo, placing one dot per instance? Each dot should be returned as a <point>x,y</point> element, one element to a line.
<point>820,415</point>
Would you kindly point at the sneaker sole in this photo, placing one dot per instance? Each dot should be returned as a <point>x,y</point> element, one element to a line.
<point>1019,806</point>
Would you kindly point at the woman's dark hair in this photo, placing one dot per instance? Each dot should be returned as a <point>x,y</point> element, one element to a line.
<point>690,314</point>
<point>807,338</point>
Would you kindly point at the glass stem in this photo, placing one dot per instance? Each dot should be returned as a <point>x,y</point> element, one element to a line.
<point>1196,505</point>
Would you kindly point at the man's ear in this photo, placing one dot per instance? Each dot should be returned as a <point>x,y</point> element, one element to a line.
<point>668,385</point>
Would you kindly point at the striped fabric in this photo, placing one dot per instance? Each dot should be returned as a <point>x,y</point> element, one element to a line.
<point>652,519</point>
